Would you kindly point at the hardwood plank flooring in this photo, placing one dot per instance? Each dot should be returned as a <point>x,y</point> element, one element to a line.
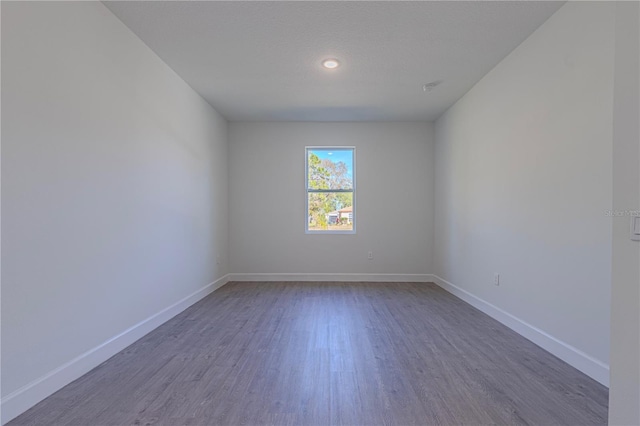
<point>328,353</point>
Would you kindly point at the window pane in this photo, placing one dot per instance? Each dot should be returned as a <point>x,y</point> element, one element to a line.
<point>330,211</point>
<point>330,168</point>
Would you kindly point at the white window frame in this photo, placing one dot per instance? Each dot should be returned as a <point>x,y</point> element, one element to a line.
<point>307,190</point>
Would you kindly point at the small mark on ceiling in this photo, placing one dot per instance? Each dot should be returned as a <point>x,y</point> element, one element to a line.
<point>430,86</point>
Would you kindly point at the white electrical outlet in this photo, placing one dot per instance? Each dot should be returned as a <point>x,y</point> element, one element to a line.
<point>370,255</point>
<point>635,228</point>
<point>496,279</point>
<point>218,260</point>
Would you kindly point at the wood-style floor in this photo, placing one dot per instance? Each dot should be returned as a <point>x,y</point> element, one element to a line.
<point>328,353</point>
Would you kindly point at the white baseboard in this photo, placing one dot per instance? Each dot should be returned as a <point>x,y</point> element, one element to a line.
<point>333,277</point>
<point>587,364</point>
<point>29,395</point>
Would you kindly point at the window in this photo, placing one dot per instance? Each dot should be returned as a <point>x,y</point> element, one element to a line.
<point>331,184</point>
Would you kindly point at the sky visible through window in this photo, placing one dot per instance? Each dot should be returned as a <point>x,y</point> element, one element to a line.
<point>337,155</point>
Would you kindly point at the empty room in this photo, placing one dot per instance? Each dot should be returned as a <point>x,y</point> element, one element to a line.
<point>320,213</point>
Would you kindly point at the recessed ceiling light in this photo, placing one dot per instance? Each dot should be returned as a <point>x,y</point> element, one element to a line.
<point>331,63</point>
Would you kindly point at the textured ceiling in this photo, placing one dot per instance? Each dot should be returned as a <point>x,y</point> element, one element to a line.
<point>260,61</point>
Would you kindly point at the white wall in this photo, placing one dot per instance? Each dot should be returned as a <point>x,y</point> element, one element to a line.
<point>523,181</point>
<point>394,207</point>
<point>624,395</point>
<point>114,192</point>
